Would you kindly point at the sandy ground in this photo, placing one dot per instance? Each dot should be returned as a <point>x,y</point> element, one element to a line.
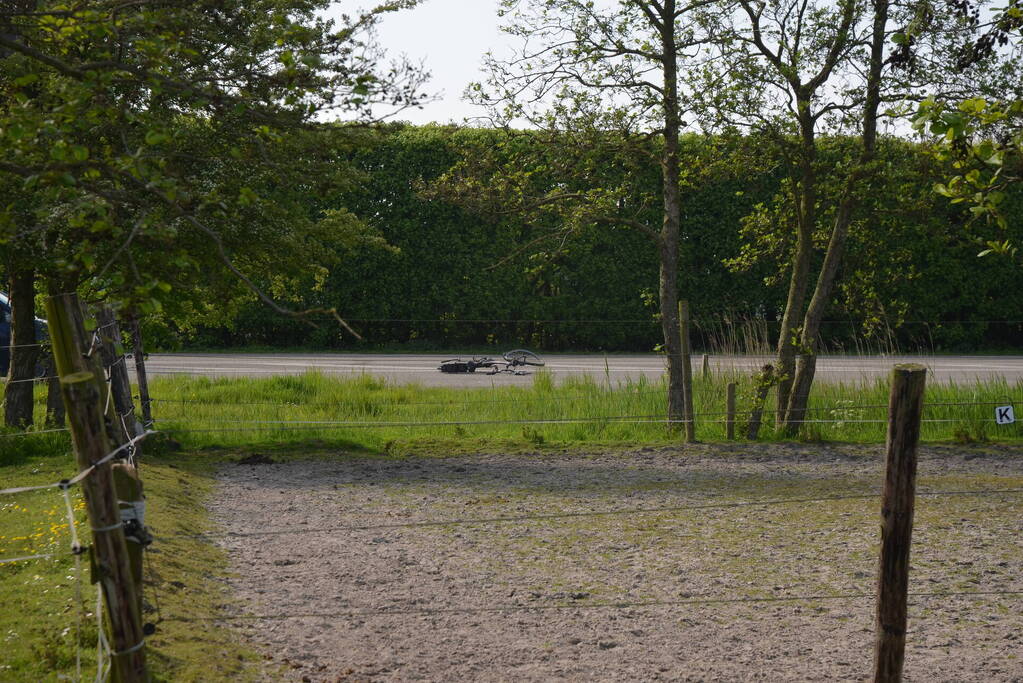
<point>684,581</point>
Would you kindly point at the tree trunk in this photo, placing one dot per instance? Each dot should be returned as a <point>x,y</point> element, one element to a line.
<point>54,401</point>
<point>796,408</point>
<point>18,393</point>
<point>806,219</point>
<point>668,245</point>
<point>672,334</point>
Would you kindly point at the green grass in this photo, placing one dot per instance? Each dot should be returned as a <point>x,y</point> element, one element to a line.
<point>39,635</point>
<point>204,414</point>
<point>200,412</point>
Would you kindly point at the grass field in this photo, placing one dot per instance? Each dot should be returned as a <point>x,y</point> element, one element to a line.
<point>289,409</point>
<point>206,421</point>
<point>367,412</point>
<point>39,637</point>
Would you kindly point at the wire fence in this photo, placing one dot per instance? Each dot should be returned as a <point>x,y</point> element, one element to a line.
<point>76,550</point>
<point>840,414</point>
<point>753,597</point>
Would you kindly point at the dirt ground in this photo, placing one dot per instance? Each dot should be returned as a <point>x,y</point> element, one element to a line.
<point>637,565</point>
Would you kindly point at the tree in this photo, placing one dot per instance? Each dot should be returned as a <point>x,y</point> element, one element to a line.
<point>796,69</point>
<point>140,122</point>
<point>982,135</point>
<point>602,83</point>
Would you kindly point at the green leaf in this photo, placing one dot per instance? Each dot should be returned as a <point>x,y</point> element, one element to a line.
<point>156,137</point>
<point>27,79</point>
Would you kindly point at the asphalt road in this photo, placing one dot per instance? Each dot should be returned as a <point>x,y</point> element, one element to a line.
<point>422,368</point>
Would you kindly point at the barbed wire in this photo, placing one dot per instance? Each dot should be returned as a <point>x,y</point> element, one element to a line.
<point>300,425</point>
<point>341,402</point>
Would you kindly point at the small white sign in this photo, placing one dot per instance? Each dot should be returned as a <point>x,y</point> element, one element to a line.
<point>1004,415</point>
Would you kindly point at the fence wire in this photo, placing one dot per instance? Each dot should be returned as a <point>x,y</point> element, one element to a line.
<point>575,606</point>
<point>511,519</point>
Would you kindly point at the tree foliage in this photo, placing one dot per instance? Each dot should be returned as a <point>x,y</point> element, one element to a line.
<point>982,134</point>
<point>165,142</point>
<point>603,79</point>
<point>800,71</point>
<point>910,277</point>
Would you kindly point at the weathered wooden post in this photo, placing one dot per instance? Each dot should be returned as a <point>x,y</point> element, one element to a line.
<point>72,345</point>
<point>82,398</point>
<point>131,503</point>
<point>762,384</point>
<point>905,407</point>
<point>140,371</point>
<point>706,366</point>
<point>112,352</point>
<point>730,411</point>
<point>687,372</point>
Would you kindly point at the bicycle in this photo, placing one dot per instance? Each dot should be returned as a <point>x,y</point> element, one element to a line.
<point>510,361</point>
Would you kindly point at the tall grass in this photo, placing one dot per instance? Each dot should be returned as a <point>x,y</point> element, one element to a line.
<point>370,412</point>
<point>204,411</point>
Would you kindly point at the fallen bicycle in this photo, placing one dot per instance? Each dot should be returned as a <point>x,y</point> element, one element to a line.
<point>510,361</point>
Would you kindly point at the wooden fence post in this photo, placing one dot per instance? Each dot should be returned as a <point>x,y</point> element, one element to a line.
<point>73,348</point>
<point>140,371</point>
<point>904,412</point>
<point>120,386</point>
<point>82,391</point>
<point>687,372</point>
<point>762,384</point>
<point>730,411</point>
<point>706,366</point>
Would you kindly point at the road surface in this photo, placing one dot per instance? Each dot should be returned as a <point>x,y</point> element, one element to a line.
<point>422,368</point>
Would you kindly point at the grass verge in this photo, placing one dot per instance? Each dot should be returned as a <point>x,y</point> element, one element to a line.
<point>298,414</point>
<point>183,576</point>
<point>369,413</point>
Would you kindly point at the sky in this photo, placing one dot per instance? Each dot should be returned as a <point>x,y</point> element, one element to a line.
<point>450,37</point>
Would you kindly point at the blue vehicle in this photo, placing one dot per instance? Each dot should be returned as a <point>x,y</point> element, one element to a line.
<point>5,334</point>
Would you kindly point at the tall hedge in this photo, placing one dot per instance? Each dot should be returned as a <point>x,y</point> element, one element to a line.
<point>912,276</point>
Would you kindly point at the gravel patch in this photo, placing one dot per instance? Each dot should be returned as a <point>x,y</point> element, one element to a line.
<point>511,567</point>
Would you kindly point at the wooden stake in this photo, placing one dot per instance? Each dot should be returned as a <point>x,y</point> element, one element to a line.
<point>730,411</point>
<point>112,354</point>
<point>897,501</point>
<point>81,390</point>
<point>706,366</point>
<point>140,371</point>
<point>687,372</point>
<point>73,349</point>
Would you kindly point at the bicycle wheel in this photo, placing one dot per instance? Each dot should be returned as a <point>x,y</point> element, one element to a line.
<point>523,357</point>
